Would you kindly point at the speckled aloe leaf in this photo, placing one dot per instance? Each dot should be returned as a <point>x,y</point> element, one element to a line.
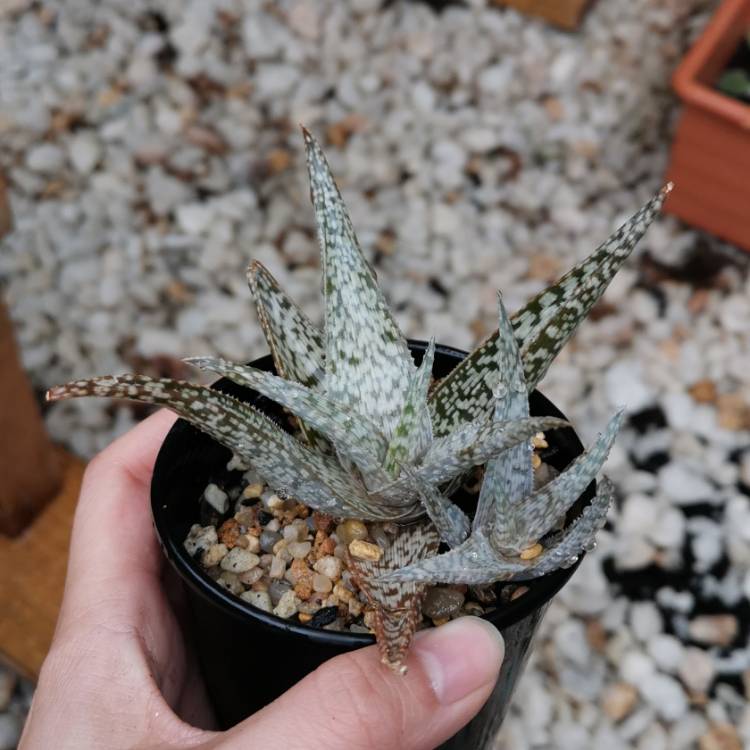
<point>290,467</point>
<point>450,521</point>
<point>542,327</point>
<point>397,606</point>
<point>476,443</point>
<point>367,361</point>
<point>413,433</point>
<point>546,508</point>
<point>354,436</point>
<point>579,536</point>
<point>297,346</point>
<point>468,446</point>
<point>508,478</point>
<point>476,563</point>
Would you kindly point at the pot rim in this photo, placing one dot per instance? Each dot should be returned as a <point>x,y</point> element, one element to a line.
<point>724,30</point>
<point>541,590</point>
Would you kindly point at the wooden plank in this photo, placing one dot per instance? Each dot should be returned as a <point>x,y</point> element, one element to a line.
<point>32,576</point>
<point>38,496</point>
<point>566,14</point>
<point>29,464</point>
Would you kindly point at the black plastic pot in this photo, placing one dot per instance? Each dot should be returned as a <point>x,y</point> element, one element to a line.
<point>234,640</point>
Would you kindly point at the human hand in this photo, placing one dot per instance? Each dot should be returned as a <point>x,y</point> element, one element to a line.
<point>118,674</point>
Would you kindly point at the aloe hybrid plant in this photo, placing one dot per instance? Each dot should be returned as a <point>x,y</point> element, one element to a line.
<point>379,441</point>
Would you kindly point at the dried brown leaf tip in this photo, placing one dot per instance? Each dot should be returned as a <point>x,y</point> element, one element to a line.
<point>377,441</point>
<point>397,606</point>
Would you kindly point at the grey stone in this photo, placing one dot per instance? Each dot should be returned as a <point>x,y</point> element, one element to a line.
<point>46,158</point>
<point>84,152</point>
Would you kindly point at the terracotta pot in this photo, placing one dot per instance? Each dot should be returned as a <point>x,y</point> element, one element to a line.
<point>710,158</point>
<point>234,641</point>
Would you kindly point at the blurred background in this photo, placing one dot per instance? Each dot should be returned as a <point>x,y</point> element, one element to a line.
<point>151,149</point>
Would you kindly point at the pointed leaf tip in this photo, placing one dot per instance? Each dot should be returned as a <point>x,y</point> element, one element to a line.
<point>542,327</point>
<point>314,478</point>
<point>296,345</point>
<point>545,508</point>
<point>508,478</point>
<point>413,432</point>
<point>367,361</point>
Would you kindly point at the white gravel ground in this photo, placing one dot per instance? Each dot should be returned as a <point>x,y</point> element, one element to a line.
<point>153,149</point>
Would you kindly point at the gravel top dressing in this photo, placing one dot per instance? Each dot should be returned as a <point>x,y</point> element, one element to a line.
<point>282,558</point>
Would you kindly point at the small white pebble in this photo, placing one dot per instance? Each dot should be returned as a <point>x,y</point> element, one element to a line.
<point>322,584</point>
<point>239,560</point>
<point>259,599</point>
<point>665,695</point>
<point>278,567</point>
<point>231,582</point>
<point>667,651</point>
<point>291,533</point>
<point>636,667</point>
<point>287,605</point>
<point>281,549</point>
<point>299,550</point>
<point>697,670</point>
<point>249,577</point>
<point>216,498</point>
<point>253,543</point>
<point>329,566</point>
<point>214,555</point>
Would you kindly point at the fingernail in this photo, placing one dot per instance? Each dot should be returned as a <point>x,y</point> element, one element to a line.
<point>460,657</point>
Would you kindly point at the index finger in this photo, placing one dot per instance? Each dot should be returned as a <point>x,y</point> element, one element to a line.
<point>112,534</point>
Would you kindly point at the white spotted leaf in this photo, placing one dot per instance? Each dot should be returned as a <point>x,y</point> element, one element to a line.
<point>367,362</point>
<point>354,436</point>
<point>542,327</point>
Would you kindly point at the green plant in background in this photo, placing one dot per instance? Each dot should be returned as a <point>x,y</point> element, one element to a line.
<point>379,441</point>
<point>735,80</point>
<point>735,83</point>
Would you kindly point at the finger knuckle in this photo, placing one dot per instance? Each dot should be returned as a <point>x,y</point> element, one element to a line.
<point>98,466</point>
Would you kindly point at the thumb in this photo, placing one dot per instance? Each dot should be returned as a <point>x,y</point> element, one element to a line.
<point>353,702</point>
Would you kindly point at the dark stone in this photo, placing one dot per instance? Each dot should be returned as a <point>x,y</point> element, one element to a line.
<point>651,463</point>
<point>323,617</point>
<point>651,418</point>
<point>442,602</point>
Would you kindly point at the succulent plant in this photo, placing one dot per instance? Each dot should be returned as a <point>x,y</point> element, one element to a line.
<point>378,440</point>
